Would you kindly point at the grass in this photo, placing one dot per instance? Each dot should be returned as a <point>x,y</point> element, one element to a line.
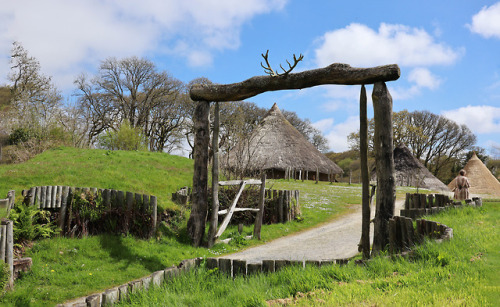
<point>62,266</point>
<point>140,172</point>
<point>463,271</point>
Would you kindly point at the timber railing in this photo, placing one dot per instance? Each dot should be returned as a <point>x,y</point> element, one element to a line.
<point>7,248</point>
<point>417,205</point>
<point>128,205</point>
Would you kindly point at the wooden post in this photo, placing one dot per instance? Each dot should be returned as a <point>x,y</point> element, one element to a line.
<point>260,215</point>
<point>280,206</point>
<point>64,203</point>
<point>215,178</point>
<point>384,157</point>
<point>154,211</point>
<point>54,197</point>
<point>9,249</point>
<point>3,241</point>
<point>365,193</point>
<point>48,197</point>
<point>317,175</point>
<point>43,197</point>
<point>196,222</point>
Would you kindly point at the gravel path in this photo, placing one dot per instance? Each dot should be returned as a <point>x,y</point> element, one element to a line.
<point>336,240</point>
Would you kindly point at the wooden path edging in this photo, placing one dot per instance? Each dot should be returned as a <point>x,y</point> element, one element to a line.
<point>234,268</point>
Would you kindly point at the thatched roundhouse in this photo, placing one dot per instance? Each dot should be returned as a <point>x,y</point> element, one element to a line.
<point>409,171</point>
<point>482,181</point>
<point>278,148</point>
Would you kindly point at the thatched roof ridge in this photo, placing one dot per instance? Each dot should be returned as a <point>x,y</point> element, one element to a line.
<point>482,181</point>
<point>409,171</point>
<point>276,144</point>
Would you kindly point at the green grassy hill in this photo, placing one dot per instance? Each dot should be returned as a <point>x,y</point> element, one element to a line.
<point>157,174</point>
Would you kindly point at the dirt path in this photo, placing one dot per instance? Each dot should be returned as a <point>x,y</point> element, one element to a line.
<point>335,240</point>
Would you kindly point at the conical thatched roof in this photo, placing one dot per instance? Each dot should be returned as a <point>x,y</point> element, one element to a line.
<point>482,181</point>
<point>277,145</point>
<point>409,171</point>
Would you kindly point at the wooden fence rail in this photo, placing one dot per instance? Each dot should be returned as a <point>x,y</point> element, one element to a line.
<point>417,205</point>
<point>59,198</point>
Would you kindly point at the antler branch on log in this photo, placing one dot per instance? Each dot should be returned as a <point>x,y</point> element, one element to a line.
<point>269,70</point>
<point>333,74</point>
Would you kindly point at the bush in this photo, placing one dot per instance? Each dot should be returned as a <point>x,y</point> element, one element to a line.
<point>20,135</point>
<point>4,276</point>
<point>125,138</point>
<point>31,223</point>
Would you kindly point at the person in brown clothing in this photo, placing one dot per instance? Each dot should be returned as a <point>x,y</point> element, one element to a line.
<point>461,190</point>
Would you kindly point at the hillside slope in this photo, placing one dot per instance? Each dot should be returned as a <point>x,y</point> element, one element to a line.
<point>157,174</point>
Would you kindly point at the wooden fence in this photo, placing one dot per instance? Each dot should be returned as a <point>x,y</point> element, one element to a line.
<point>7,247</point>
<point>417,205</point>
<point>8,202</point>
<point>59,198</point>
<point>281,206</point>
<point>403,236</point>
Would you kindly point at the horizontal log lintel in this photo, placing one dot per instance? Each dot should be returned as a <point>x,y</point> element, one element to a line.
<point>333,74</point>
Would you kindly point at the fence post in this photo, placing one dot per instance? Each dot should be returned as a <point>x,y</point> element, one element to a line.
<point>260,215</point>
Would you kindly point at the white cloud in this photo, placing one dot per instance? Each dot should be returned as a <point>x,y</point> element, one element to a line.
<point>487,22</point>
<point>359,45</point>
<point>336,134</point>
<point>66,36</point>
<point>480,119</point>
<point>411,48</point>
<point>423,78</point>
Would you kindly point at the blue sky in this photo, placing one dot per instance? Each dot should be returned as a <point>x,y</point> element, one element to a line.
<point>448,50</point>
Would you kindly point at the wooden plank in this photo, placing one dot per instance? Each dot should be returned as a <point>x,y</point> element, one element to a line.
<point>3,241</point>
<point>48,197</point>
<point>32,196</point>
<point>58,196</point>
<point>238,182</point>
<point>154,212</point>
<point>225,211</point>
<point>226,220</point>
<point>43,197</point>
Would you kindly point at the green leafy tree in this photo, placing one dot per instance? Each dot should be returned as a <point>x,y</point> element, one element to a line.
<point>125,138</point>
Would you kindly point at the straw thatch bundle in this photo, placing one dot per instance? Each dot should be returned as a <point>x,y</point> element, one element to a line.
<point>482,181</point>
<point>409,171</point>
<point>277,147</point>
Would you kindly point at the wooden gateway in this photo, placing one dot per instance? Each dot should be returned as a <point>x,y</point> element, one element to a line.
<point>335,73</point>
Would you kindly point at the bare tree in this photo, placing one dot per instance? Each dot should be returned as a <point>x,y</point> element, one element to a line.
<point>434,139</point>
<point>133,89</point>
<point>35,99</point>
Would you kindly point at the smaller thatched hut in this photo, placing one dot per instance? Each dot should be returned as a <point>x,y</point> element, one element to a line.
<point>279,149</point>
<point>409,171</point>
<point>482,181</point>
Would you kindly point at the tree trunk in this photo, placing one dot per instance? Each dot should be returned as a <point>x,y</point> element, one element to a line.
<point>384,159</point>
<point>214,217</point>
<point>197,219</point>
<point>363,147</point>
<point>333,74</point>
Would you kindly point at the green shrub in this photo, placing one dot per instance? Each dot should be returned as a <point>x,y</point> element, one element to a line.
<point>125,138</point>
<point>31,223</point>
<point>4,276</point>
<point>20,135</point>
